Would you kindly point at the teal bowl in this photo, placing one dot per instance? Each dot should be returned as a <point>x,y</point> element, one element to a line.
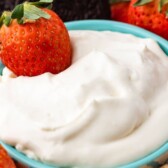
<point>101,25</point>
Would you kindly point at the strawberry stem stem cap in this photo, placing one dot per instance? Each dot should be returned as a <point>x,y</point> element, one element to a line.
<point>5,18</point>
<point>142,2</point>
<point>26,12</point>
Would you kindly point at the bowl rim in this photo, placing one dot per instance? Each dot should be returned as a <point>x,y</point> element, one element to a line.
<point>112,26</point>
<point>117,27</point>
<point>37,164</point>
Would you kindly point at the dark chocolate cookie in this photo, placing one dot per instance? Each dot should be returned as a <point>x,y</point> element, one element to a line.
<point>82,9</point>
<point>71,9</point>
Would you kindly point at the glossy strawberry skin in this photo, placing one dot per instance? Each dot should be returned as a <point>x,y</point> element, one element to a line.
<point>5,160</point>
<point>34,48</point>
<point>148,17</point>
<point>119,11</point>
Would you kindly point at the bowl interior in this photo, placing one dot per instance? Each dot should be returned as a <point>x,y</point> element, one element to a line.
<point>101,25</point>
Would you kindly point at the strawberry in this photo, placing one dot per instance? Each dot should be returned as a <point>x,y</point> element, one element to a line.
<point>151,15</point>
<point>5,160</point>
<point>34,40</point>
<point>119,10</point>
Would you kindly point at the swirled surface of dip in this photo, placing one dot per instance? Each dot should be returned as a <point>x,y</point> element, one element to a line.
<point>108,108</point>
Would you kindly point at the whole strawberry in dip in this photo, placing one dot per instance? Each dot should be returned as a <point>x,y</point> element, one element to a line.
<point>34,40</point>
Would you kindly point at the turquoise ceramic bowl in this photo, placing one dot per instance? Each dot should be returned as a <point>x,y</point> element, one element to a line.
<point>101,25</point>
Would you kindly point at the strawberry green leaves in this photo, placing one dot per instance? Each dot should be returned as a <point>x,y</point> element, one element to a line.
<point>42,3</point>
<point>164,2</point>
<point>5,18</point>
<point>142,2</point>
<point>30,11</point>
<point>33,13</point>
<point>26,12</point>
<point>161,4</point>
<point>18,13</point>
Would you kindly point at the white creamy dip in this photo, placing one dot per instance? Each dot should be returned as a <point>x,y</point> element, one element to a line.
<point>108,108</point>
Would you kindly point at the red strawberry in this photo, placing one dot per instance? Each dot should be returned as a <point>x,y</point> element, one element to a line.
<point>5,160</point>
<point>150,14</point>
<point>34,41</point>
<point>119,10</point>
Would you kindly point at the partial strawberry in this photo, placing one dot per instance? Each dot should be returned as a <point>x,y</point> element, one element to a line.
<point>119,10</point>
<point>34,40</point>
<point>5,160</point>
<point>151,15</point>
